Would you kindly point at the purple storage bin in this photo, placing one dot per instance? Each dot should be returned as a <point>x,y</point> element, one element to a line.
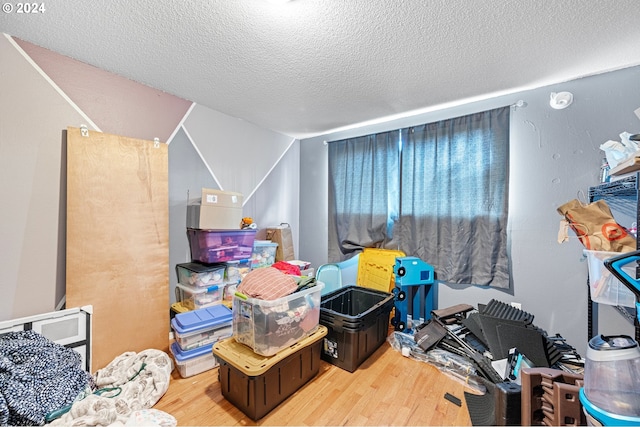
<point>211,246</point>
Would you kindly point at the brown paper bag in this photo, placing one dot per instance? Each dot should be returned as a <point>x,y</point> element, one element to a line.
<point>282,236</point>
<point>596,228</point>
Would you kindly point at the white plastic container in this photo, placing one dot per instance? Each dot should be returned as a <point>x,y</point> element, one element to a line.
<point>264,253</point>
<point>270,326</point>
<point>604,287</point>
<point>612,375</point>
<point>193,362</point>
<point>205,326</point>
<point>200,275</point>
<point>236,270</point>
<point>194,298</point>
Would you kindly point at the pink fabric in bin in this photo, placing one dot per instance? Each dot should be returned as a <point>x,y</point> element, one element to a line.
<point>267,283</point>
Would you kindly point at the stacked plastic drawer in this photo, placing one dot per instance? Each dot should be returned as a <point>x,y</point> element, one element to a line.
<point>195,334</point>
<point>218,259</point>
<point>203,285</point>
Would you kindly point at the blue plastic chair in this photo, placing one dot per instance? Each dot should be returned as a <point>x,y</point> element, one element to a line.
<point>336,275</point>
<point>349,270</point>
<point>331,276</point>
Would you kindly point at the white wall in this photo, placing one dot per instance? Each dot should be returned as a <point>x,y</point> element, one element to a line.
<point>214,150</point>
<point>554,157</point>
<point>43,92</point>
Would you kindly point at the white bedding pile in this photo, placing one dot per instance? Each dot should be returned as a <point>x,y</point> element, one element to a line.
<point>127,389</point>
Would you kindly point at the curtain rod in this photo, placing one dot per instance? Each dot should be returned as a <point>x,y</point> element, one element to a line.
<point>518,104</point>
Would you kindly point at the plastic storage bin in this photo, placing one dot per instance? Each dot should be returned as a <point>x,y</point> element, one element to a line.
<point>193,362</point>
<point>214,246</point>
<point>236,270</point>
<point>256,384</point>
<point>200,275</point>
<point>611,372</point>
<point>604,287</point>
<point>194,298</point>
<point>264,253</point>
<point>201,327</point>
<point>357,320</point>
<point>375,268</point>
<point>270,326</point>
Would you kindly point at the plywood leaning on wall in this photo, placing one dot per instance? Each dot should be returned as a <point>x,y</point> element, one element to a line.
<point>118,240</point>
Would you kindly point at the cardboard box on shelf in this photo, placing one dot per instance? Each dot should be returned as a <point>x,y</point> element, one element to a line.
<point>215,210</point>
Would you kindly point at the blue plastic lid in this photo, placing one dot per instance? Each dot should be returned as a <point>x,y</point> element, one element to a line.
<point>190,321</point>
<point>182,355</point>
<point>264,243</point>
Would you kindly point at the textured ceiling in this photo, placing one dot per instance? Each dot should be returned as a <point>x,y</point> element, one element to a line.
<point>308,67</point>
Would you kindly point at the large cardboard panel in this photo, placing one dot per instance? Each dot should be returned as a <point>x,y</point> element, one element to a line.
<point>117,240</point>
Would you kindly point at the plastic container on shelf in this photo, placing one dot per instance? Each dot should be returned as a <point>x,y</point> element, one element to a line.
<point>268,326</point>
<point>236,270</point>
<point>193,362</point>
<point>357,319</point>
<point>257,384</point>
<point>200,275</point>
<point>205,326</point>
<point>604,287</point>
<point>193,297</point>
<point>611,377</point>
<point>264,253</point>
<point>214,246</point>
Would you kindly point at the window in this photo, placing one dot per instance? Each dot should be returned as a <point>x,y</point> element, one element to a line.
<point>438,191</point>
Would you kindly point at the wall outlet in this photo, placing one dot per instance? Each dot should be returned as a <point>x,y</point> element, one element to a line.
<point>516,305</point>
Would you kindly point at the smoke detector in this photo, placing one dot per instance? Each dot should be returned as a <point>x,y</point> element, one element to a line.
<point>560,100</point>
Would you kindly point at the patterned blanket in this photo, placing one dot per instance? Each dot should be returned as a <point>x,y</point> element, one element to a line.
<point>37,376</point>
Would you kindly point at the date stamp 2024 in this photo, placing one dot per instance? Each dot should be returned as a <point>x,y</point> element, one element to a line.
<point>24,8</point>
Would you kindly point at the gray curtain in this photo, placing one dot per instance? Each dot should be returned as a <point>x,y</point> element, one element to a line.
<point>438,191</point>
<point>363,193</point>
<point>454,197</point>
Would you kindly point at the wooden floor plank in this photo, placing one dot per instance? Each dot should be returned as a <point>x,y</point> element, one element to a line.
<point>387,389</point>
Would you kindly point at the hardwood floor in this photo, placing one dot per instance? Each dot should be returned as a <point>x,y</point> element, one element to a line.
<point>387,389</point>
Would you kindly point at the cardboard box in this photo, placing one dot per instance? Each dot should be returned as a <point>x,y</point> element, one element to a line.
<point>215,210</point>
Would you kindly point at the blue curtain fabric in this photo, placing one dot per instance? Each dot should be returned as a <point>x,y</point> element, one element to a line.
<point>438,191</point>
<point>363,193</point>
<point>454,197</point>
